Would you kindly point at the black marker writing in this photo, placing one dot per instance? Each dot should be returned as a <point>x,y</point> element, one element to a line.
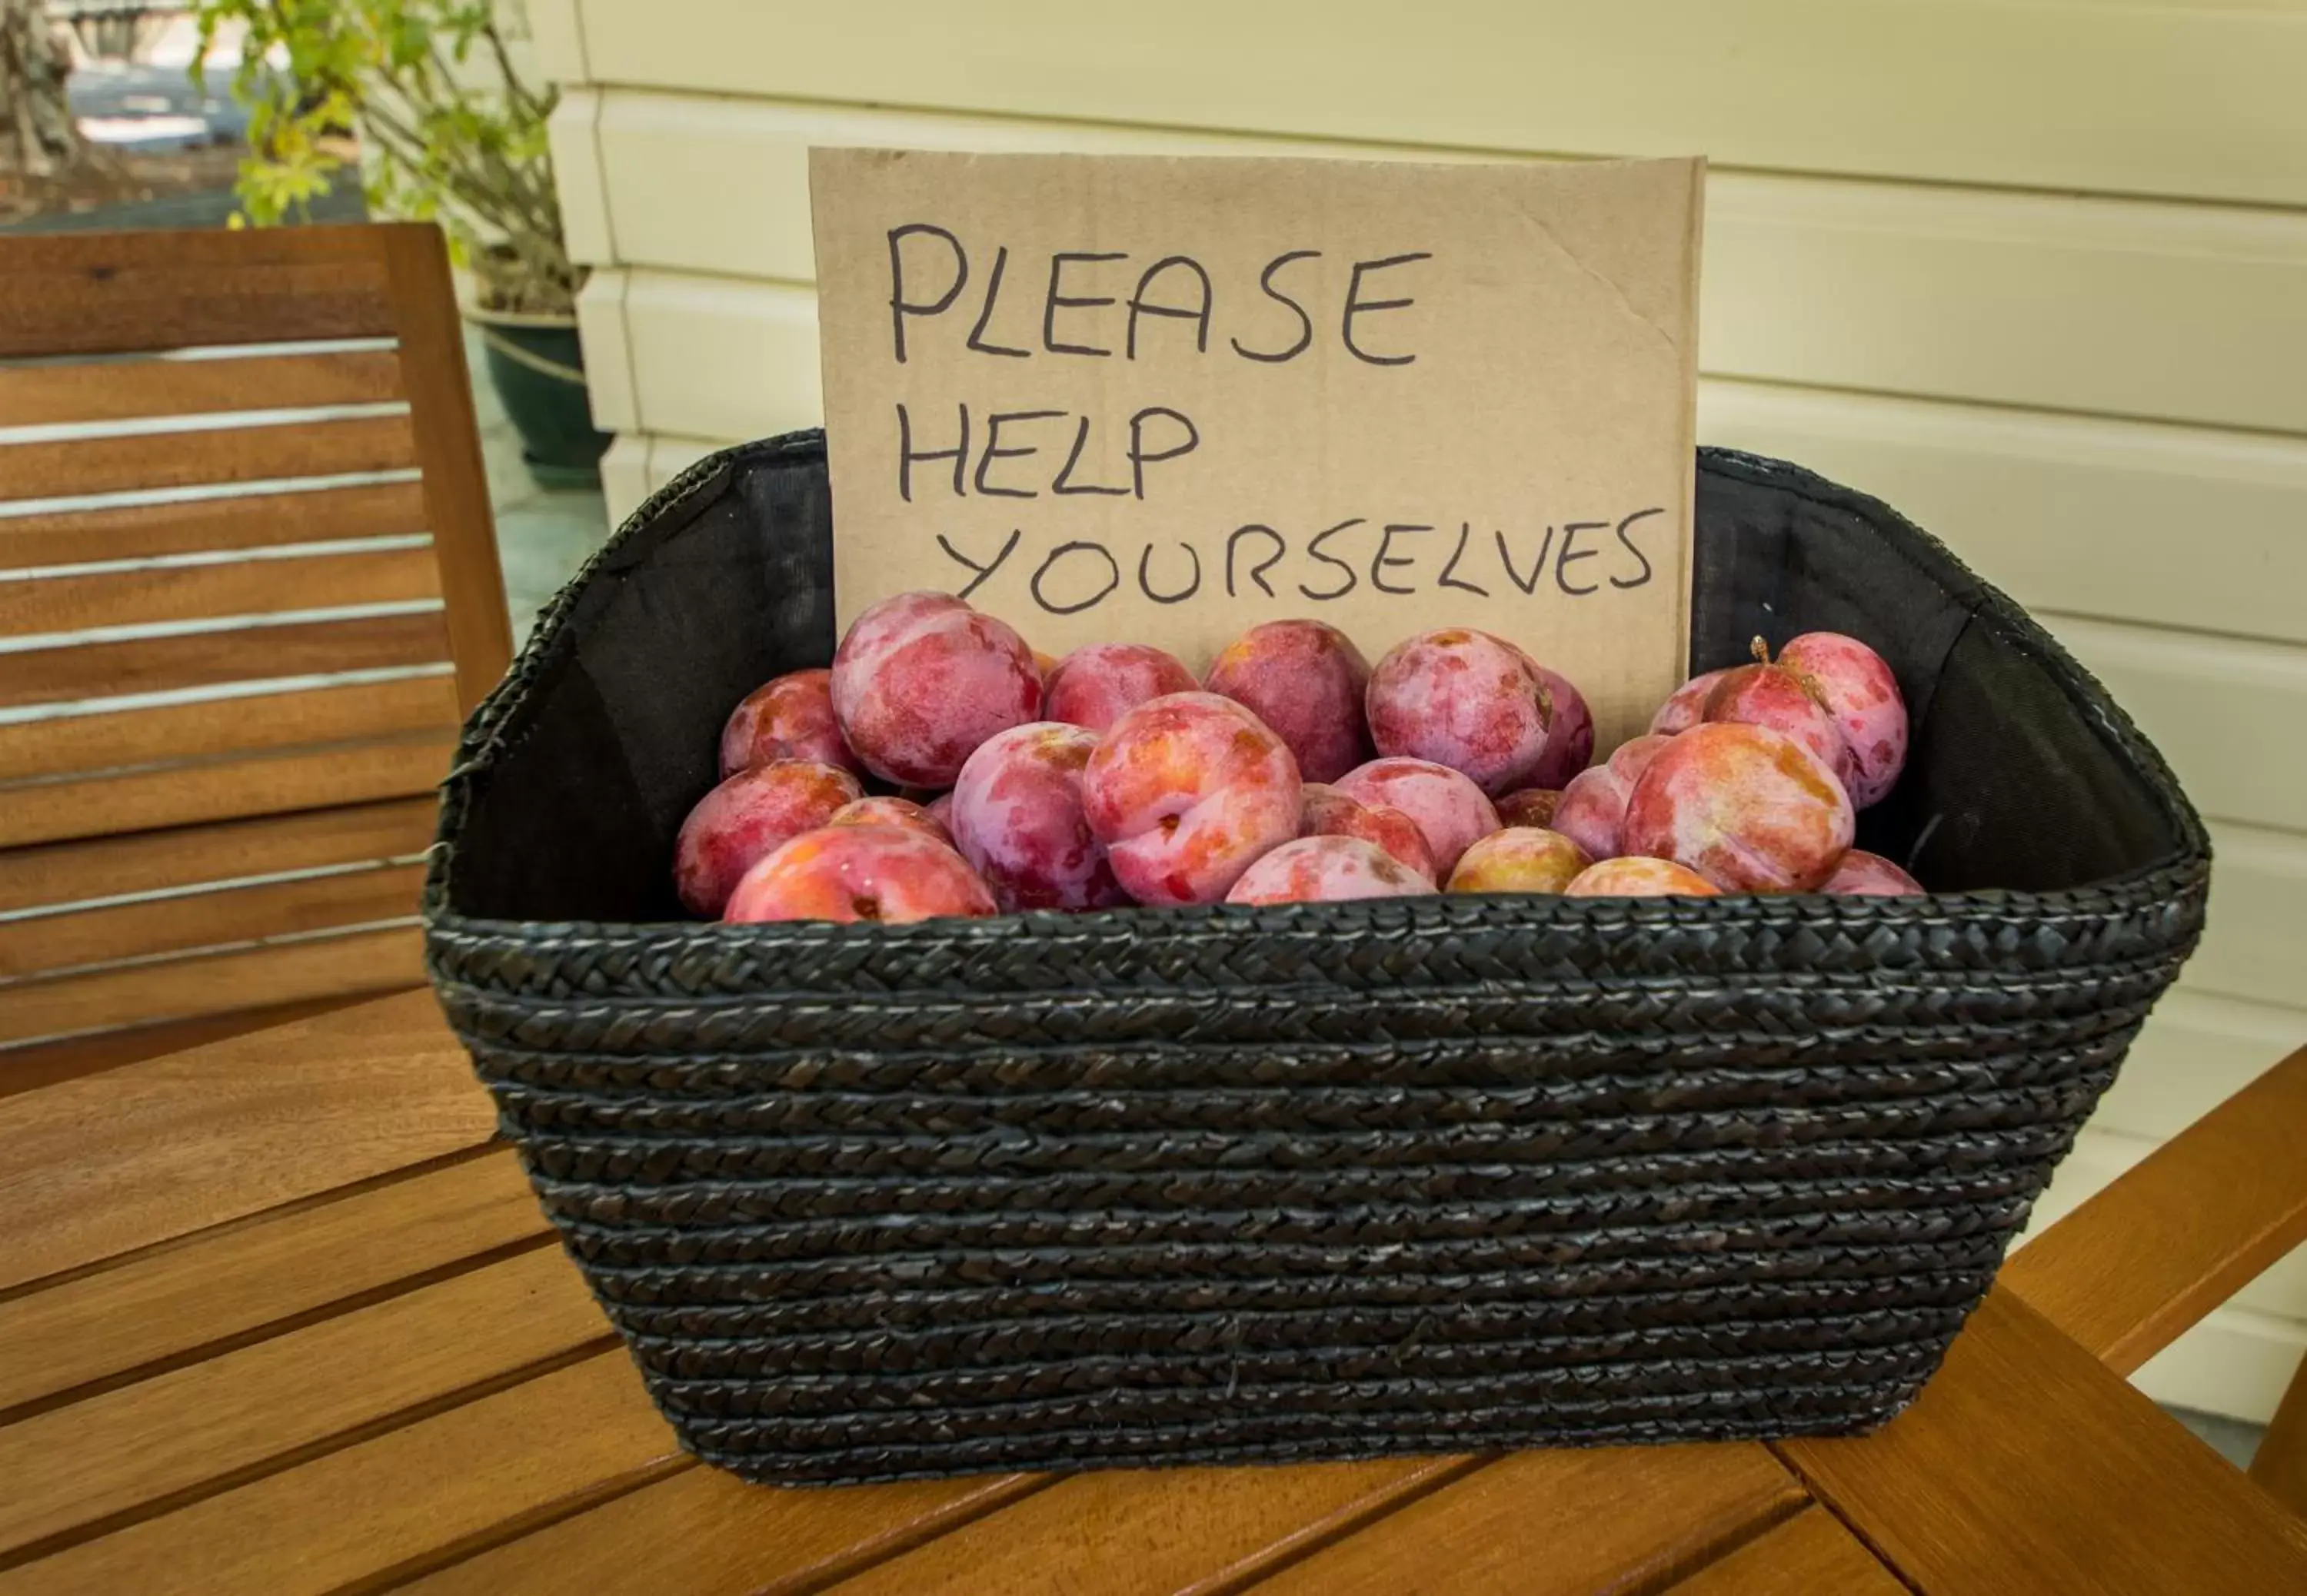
<point>1049,564</point>
<point>983,571</point>
<point>1357,305</point>
<point>1056,301</point>
<point>900,307</point>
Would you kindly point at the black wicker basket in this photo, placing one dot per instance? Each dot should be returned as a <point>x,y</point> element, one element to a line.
<point>1325,1181</point>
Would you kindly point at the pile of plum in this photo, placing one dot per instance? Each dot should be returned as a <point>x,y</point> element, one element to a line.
<point>1293,772</point>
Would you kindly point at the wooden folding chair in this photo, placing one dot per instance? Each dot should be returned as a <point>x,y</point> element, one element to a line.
<point>248,589</point>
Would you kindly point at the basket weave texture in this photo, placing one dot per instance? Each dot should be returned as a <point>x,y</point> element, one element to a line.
<point>1318,1181</point>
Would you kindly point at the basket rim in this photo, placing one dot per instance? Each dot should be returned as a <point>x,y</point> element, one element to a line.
<point>495,726</point>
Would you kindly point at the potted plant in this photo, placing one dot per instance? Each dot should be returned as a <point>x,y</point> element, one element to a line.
<point>450,130</point>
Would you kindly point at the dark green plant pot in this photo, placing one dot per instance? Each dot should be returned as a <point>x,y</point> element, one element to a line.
<point>537,368</point>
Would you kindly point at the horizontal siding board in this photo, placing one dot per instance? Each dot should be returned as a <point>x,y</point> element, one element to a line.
<point>577,177</point>
<point>2190,100</point>
<point>688,337</point>
<point>2255,946</point>
<point>2185,312</point>
<point>2196,1052</point>
<point>2178,526</point>
<point>608,362</point>
<point>2128,521</point>
<point>2213,706</point>
<point>625,476</point>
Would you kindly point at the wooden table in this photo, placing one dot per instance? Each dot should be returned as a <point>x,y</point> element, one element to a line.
<point>276,1316</point>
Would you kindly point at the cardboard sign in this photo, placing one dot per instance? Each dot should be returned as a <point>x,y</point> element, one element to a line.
<point>1160,400</point>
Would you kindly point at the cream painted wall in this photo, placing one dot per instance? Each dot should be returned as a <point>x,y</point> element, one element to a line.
<point>2034,270</point>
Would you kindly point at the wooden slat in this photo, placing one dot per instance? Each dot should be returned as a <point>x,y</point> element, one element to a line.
<point>409,1497</point>
<point>195,525</point>
<point>211,592</point>
<point>210,455</point>
<point>151,1151</point>
<point>193,1429</point>
<point>70,744</point>
<point>380,960</point>
<point>1563,1521</point>
<point>2171,1239</point>
<point>157,861</point>
<point>2027,1466</point>
<point>1809,1555</point>
<point>2101,1158</point>
<point>29,1069</point>
<point>63,941</point>
<point>125,390</point>
<point>196,1297</point>
<point>448,446</point>
<point>200,659</point>
<point>703,1532</point>
<point>1164,1529</point>
<point>271,783</point>
<point>2280,1465</point>
<point>116,292</point>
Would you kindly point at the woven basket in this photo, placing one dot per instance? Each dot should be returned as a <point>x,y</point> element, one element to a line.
<point>1324,1181</point>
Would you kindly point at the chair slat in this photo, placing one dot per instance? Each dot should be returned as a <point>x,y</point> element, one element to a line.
<point>224,790</point>
<point>70,744</point>
<point>207,456</point>
<point>198,525</point>
<point>129,391</point>
<point>179,1300</point>
<point>381,960</point>
<point>202,659</point>
<point>107,1166</point>
<point>157,861</point>
<point>212,592</point>
<point>122,292</point>
<point>2179,1233</point>
<point>45,943</point>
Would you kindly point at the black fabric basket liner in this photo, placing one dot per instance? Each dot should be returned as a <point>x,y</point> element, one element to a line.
<point>1152,1187</point>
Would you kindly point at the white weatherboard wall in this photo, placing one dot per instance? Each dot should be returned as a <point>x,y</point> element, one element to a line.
<point>2033,270</point>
